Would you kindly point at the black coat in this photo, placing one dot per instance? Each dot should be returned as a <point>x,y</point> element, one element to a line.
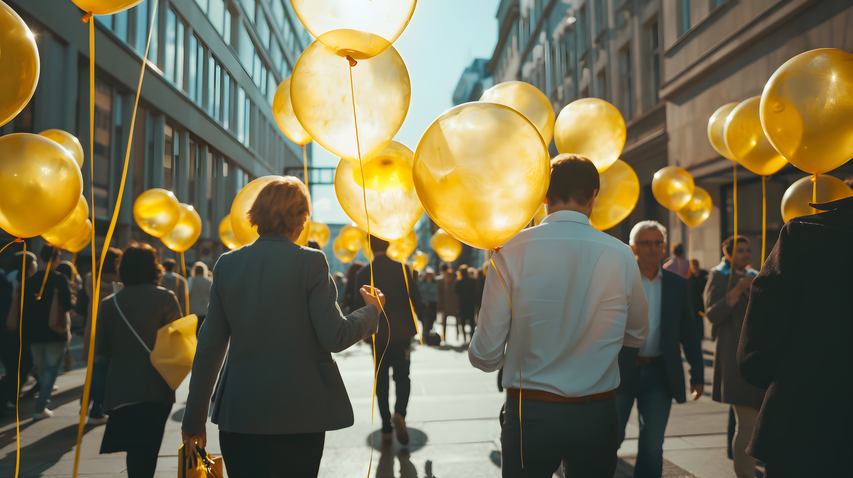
<point>388,277</point>
<point>795,344</point>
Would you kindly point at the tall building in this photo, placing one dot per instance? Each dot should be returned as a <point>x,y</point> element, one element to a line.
<point>204,127</point>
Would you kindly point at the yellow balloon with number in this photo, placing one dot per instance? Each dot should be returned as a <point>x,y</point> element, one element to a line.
<point>320,233</point>
<point>245,232</point>
<point>673,187</point>
<point>185,232</point>
<point>359,28</point>
<point>446,246</point>
<point>541,214</point>
<point>420,261</point>
<point>105,7</point>
<point>527,100</point>
<point>592,128</point>
<point>716,128</point>
<point>807,109</point>
<point>746,141</point>
<point>40,184</point>
<point>19,64</point>
<point>84,237</point>
<point>157,211</point>
<point>282,111</point>
<point>402,248</point>
<point>342,253</point>
<point>226,234</point>
<point>322,100</point>
<point>69,228</point>
<point>795,201</point>
<point>68,141</point>
<point>698,209</point>
<point>617,196</point>
<point>481,171</point>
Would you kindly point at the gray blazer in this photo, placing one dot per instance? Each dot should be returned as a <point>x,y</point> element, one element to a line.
<point>277,305</point>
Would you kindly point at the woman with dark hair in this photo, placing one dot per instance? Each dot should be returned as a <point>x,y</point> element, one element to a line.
<point>351,286</point>
<point>199,286</point>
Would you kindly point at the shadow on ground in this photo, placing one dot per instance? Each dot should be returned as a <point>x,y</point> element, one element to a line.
<point>42,454</point>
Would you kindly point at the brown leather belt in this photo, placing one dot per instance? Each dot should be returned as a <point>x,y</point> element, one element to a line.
<point>542,396</point>
<point>648,360</point>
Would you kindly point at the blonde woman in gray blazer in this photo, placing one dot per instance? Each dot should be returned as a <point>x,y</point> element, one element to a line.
<point>273,308</point>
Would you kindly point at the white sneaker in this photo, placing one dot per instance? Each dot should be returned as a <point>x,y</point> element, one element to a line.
<point>41,416</point>
<point>96,421</point>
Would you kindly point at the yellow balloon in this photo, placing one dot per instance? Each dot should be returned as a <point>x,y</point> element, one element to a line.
<point>105,7</point>
<point>245,232</point>
<point>342,253</point>
<point>527,100</point>
<point>40,184</point>
<point>69,228</point>
<point>795,201</point>
<point>716,127</point>
<point>402,248</point>
<point>617,196</point>
<point>186,231</point>
<point>481,171</point>
<point>304,236</point>
<point>350,238</point>
<point>226,234</point>
<point>541,214</point>
<point>359,28</point>
<point>746,141</point>
<point>392,201</point>
<point>807,109</point>
<point>446,246</point>
<point>84,236</point>
<point>697,209</point>
<point>282,111</point>
<point>157,211</point>
<point>19,64</point>
<point>420,261</point>
<point>673,187</point>
<point>322,100</point>
<point>68,141</point>
<point>366,248</point>
<point>320,233</point>
<point>592,128</point>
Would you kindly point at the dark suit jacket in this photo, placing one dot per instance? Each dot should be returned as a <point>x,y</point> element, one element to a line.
<point>388,277</point>
<point>796,345</point>
<point>677,327</point>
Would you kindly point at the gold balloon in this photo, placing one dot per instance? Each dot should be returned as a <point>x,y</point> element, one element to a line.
<point>245,232</point>
<point>746,141</point>
<point>392,201</point>
<point>366,248</point>
<point>697,209</point>
<point>157,211</point>
<point>481,171</point>
<point>617,196</point>
<point>673,187</point>
<point>541,214</point>
<point>186,231</point>
<point>420,261</point>
<point>402,248</point>
<point>342,253</point>
<point>19,64</point>
<point>350,238</point>
<point>795,201</point>
<point>716,128</point>
<point>69,228</point>
<point>105,7</point>
<point>304,236</point>
<point>446,246</point>
<point>322,100</point>
<point>68,141</point>
<point>226,234</point>
<point>527,100</point>
<point>40,184</point>
<point>807,109</point>
<point>320,233</point>
<point>359,28</point>
<point>84,236</point>
<point>592,128</point>
<point>282,111</point>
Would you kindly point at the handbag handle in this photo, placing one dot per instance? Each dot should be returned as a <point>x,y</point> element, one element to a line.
<point>115,293</point>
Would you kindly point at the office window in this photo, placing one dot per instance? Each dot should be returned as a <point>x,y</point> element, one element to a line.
<point>263,29</point>
<point>271,87</point>
<point>278,12</point>
<point>155,37</point>
<point>683,17</point>
<point>192,70</point>
<point>104,116</point>
<point>247,122</point>
<point>654,63</point>
<point>226,100</point>
<point>179,57</point>
<point>120,25</point>
<point>171,143</point>
<point>211,84</point>
<point>627,83</point>
<point>249,6</point>
<point>171,45</point>
<point>203,4</point>
<point>601,90</point>
<point>289,37</point>
<point>217,92</point>
<point>276,55</point>
<point>241,115</point>
<point>210,223</point>
<point>583,30</point>
<point>139,136</point>
<point>140,26</point>
<point>246,49</point>
<point>193,174</point>
<point>600,12</point>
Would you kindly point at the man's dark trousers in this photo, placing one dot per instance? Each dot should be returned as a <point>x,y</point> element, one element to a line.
<point>396,358</point>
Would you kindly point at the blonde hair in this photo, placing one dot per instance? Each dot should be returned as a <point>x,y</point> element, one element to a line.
<point>281,208</point>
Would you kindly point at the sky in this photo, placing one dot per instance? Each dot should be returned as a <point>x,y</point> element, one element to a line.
<point>442,39</point>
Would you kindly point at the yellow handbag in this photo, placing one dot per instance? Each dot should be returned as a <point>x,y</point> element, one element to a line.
<point>197,463</point>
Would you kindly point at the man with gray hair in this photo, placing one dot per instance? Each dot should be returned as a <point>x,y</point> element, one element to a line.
<point>655,375</point>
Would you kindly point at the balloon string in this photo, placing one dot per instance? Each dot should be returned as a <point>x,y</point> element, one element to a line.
<point>305,167</point>
<point>690,244</point>
<point>22,279</point>
<point>9,244</point>
<point>734,216</point>
<point>186,283</point>
<point>409,295</point>
<point>46,273</point>
<point>814,192</point>
<point>518,349</point>
<point>74,264</point>
<point>763,218</point>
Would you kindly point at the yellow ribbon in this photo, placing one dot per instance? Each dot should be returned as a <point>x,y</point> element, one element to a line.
<point>22,279</point>
<point>44,281</point>
<point>763,218</point>
<point>409,296</point>
<point>186,284</point>
<point>734,217</point>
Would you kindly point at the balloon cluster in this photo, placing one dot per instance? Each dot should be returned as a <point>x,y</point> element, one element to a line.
<point>158,213</point>
<point>674,189</point>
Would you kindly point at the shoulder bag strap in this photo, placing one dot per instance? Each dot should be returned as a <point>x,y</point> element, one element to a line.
<point>115,293</point>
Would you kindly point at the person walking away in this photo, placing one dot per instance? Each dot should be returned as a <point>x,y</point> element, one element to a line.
<point>273,309</point>
<point>656,376</point>
<point>199,286</point>
<point>67,270</point>
<point>340,286</point>
<point>677,263</point>
<point>429,295</point>
<point>352,289</point>
<point>481,285</point>
<point>696,285</point>
<point>394,339</point>
<point>9,347</point>
<point>175,282</point>
<point>466,290</point>
<point>577,298</point>
<point>725,308</point>
<point>795,345</point>
<point>448,301</point>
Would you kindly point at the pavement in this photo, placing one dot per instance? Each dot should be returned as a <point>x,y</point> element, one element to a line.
<point>452,420</point>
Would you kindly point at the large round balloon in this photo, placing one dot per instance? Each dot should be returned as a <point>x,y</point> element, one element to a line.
<point>245,232</point>
<point>19,64</point>
<point>402,248</point>
<point>156,211</point>
<point>69,228</point>
<point>358,28</point>
<point>746,141</point>
<point>446,246</point>
<point>226,234</point>
<point>527,100</point>
<point>186,231</point>
<point>322,100</point>
<point>795,201</point>
<point>105,7</point>
<point>392,202</point>
<point>319,233</point>
<point>807,109</point>
<point>592,128</point>
<point>350,238</point>
<point>673,187</point>
<point>40,184</point>
<point>420,261</point>
<point>282,111</point>
<point>716,127</point>
<point>481,171</point>
<point>366,248</point>
<point>697,209</point>
<point>617,196</point>
<point>342,253</point>
<point>84,236</point>
<point>68,141</point>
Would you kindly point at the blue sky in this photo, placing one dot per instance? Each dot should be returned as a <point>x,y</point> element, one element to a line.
<point>442,39</point>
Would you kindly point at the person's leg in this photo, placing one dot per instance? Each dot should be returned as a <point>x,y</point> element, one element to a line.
<point>246,456</point>
<point>300,455</point>
<point>142,458</point>
<point>541,437</point>
<point>746,418</point>
<point>731,432</point>
<point>382,387</point>
<point>38,351</point>
<point>51,356</point>
<point>401,363</point>
<point>272,456</point>
<point>654,402</point>
<point>591,439</point>
<point>624,405</point>
<point>99,384</point>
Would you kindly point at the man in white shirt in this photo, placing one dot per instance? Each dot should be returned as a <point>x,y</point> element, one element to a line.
<point>577,298</point>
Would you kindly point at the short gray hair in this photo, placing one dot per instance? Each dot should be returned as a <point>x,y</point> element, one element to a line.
<point>644,225</point>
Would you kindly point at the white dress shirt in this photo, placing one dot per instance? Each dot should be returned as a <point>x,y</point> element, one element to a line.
<point>654,292</point>
<point>578,298</point>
